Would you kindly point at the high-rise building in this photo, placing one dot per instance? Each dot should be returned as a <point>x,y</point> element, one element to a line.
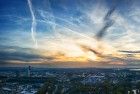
<point>29,71</point>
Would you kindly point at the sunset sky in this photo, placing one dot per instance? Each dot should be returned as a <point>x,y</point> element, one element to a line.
<point>70,33</point>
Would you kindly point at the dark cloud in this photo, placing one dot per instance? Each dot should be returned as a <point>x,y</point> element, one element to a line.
<point>133,52</point>
<point>86,48</point>
<point>108,22</point>
<point>20,54</point>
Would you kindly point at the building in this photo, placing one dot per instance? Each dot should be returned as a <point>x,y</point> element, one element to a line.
<point>29,71</point>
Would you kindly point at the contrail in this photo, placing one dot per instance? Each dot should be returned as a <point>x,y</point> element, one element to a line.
<point>33,28</point>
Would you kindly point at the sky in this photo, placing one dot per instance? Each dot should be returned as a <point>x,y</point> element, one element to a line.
<point>70,33</point>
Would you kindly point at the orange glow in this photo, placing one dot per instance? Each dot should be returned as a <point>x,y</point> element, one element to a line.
<point>117,63</point>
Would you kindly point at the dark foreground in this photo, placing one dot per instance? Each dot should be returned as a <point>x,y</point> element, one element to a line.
<point>31,80</point>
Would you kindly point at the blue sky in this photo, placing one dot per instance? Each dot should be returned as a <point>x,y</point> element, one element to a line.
<point>60,27</point>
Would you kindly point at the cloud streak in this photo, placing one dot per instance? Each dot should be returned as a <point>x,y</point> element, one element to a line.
<point>33,28</point>
<point>108,22</point>
<point>129,51</point>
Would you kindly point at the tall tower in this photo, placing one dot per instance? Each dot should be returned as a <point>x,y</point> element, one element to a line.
<point>29,71</point>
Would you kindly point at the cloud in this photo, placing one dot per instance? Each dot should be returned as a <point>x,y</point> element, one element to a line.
<point>14,53</point>
<point>108,22</point>
<point>129,51</point>
<point>123,32</point>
